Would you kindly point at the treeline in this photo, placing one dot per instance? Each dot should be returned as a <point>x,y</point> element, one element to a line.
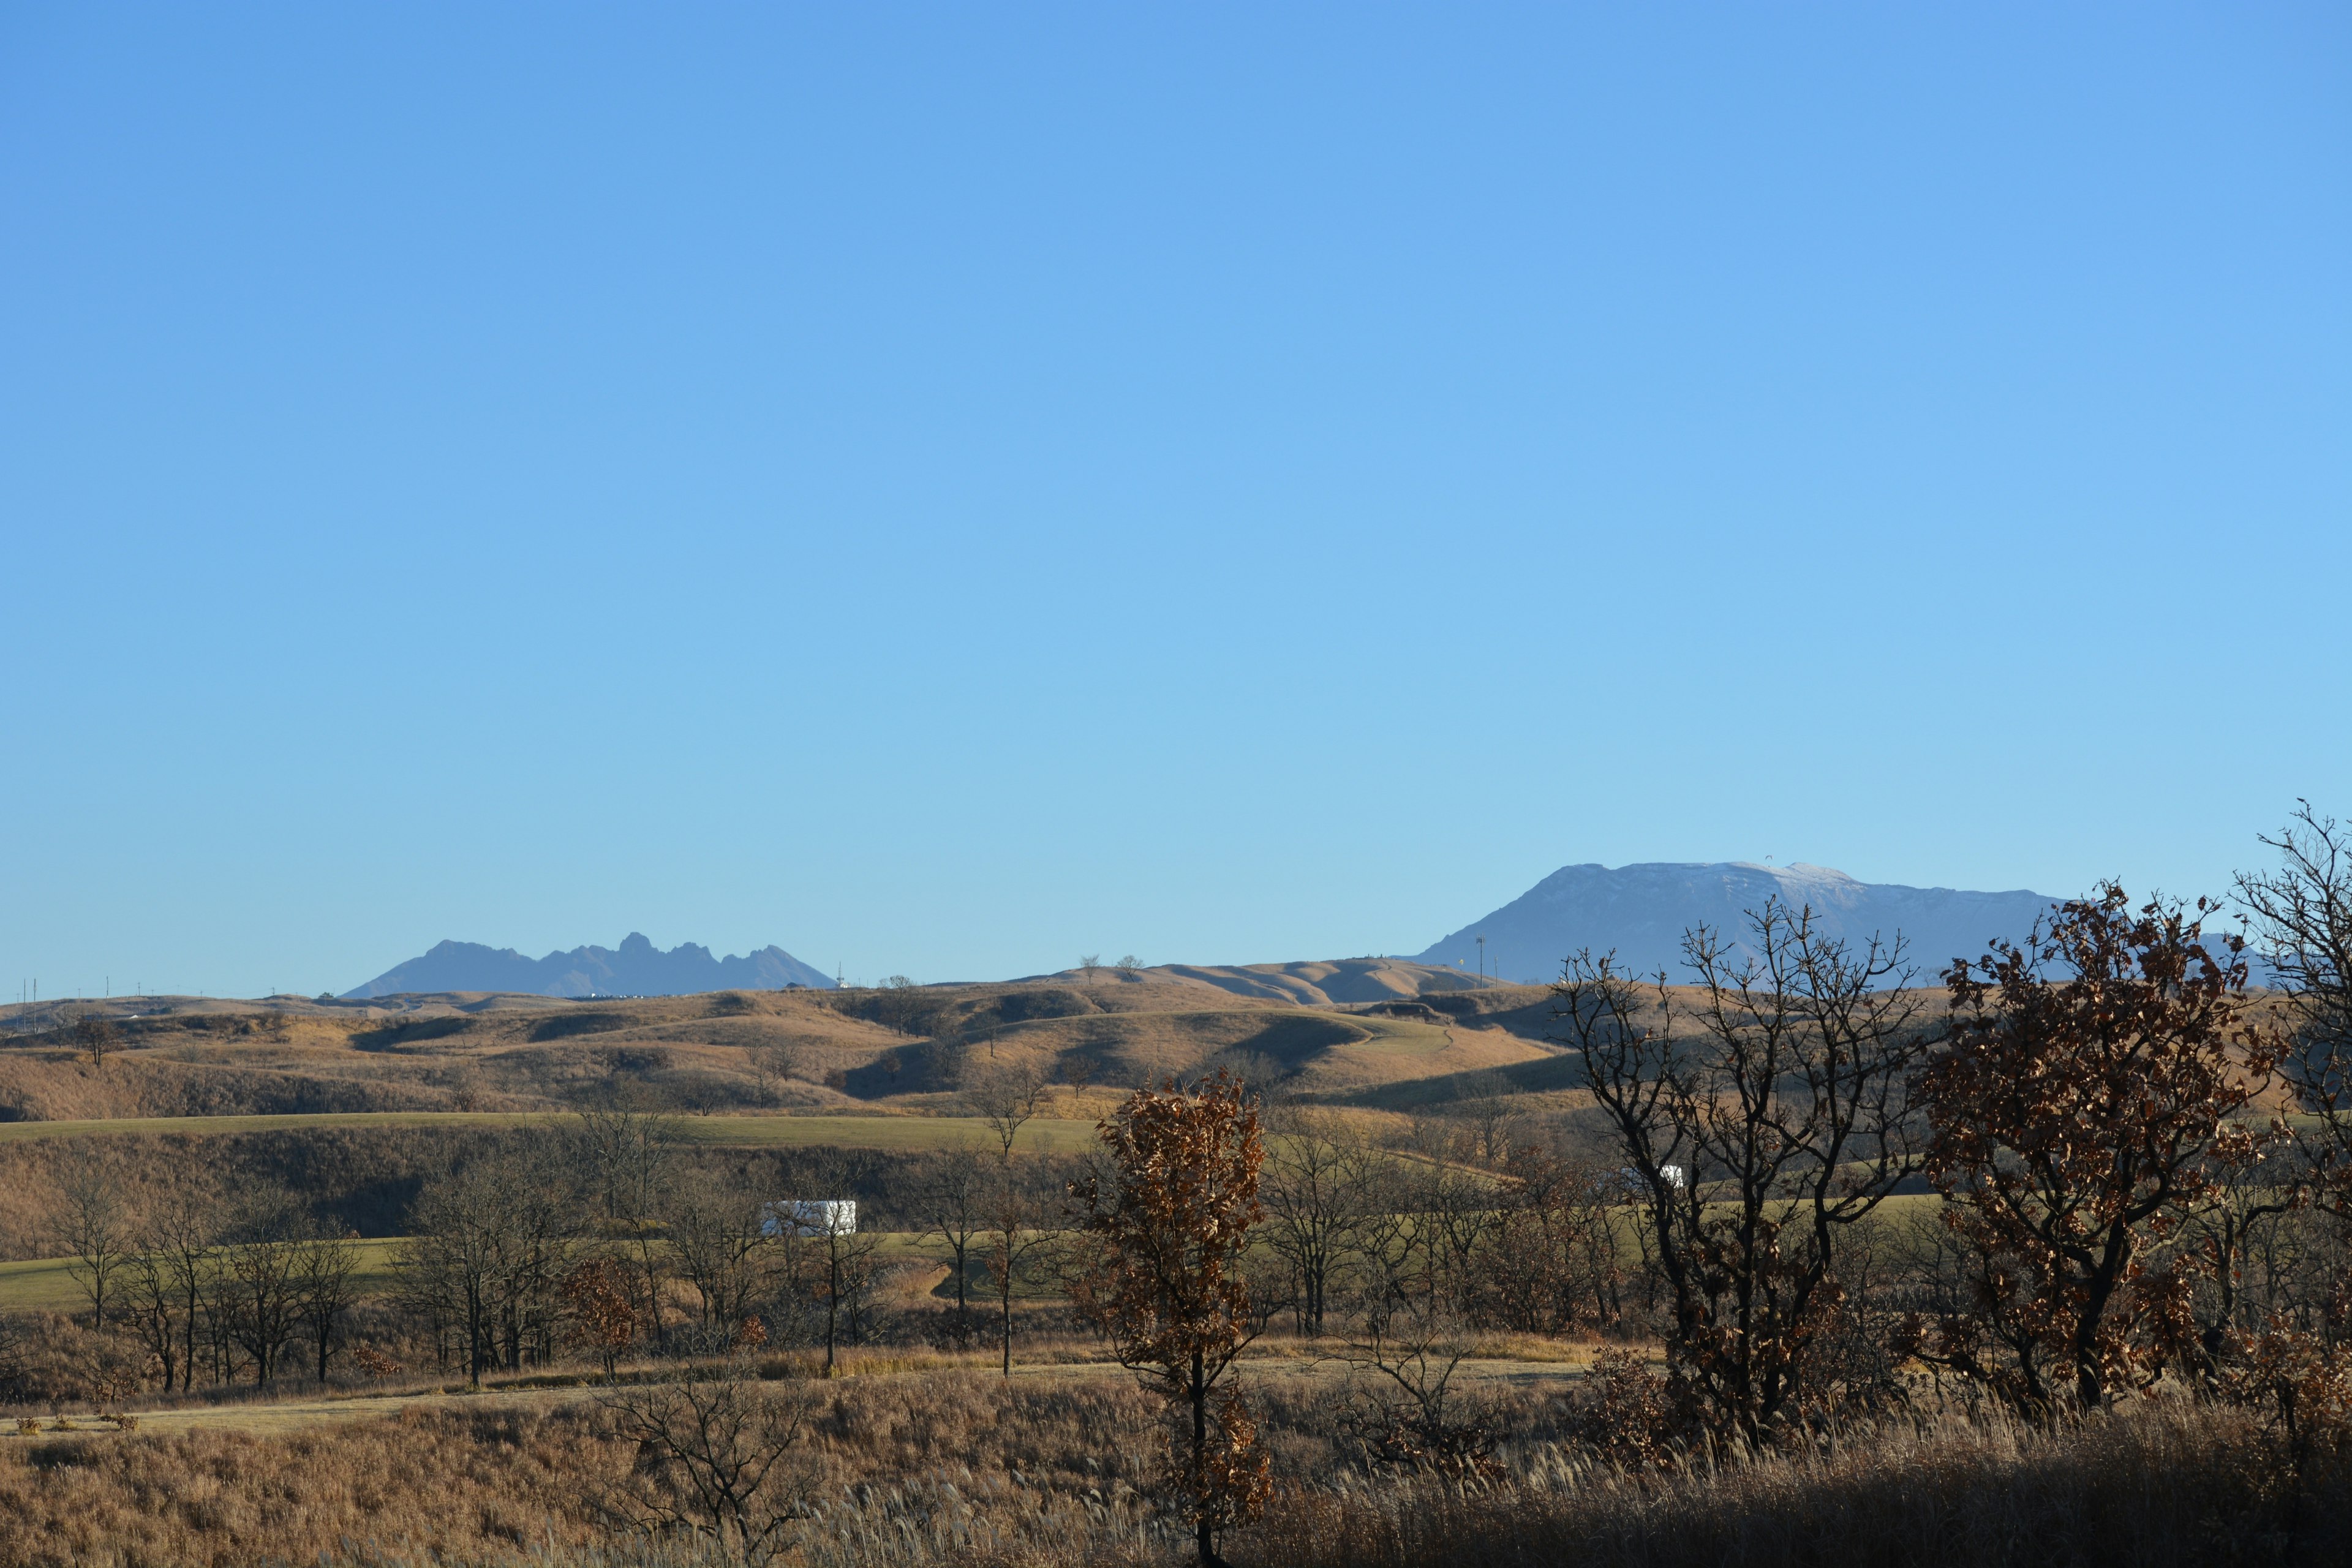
<point>367,1179</point>
<point>199,1285</point>
<point>603,1237</point>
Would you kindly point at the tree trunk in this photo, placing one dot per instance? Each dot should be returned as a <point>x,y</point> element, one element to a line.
<point>1204,1536</point>
<point>832,1303</point>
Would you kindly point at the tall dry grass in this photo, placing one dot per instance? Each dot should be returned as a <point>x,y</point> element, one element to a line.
<point>2148,1487</point>
<point>1056,1472</point>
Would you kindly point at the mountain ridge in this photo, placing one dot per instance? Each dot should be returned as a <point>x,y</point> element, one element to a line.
<point>636,968</point>
<point>1641,910</point>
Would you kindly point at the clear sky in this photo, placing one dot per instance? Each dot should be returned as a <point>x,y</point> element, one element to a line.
<point>946,488</point>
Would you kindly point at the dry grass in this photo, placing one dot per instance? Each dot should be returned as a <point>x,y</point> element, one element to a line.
<point>955,1465</point>
<point>889,1462</point>
<point>2150,1487</point>
<point>204,1057</point>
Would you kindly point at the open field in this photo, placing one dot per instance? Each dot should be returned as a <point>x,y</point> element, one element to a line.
<point>1055,1467</point>
<point>1041,1135</point>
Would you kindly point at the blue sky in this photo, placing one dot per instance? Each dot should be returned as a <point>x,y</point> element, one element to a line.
<point>950,488</point>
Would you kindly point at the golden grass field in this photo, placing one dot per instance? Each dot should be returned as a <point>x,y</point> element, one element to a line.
<point>797,1052</point>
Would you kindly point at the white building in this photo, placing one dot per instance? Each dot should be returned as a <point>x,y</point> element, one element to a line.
<point>809,1216</point>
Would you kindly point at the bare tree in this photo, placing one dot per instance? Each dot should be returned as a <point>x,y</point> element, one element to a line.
<point>1011,1243</point>
<point>323,1265</point>
<point>1077,1071</point>
<point>487,1253</point>
<point>625,1156</point>
<point>724,1242</point>
<point>712,1447</point>
<point>955,1209</point>
<point>2301,916</point>
<point>1314,1189</point>
<point>261,1294</point>
<point>776,1063</point>
<point>846,1266</point>
<point>1551,1259</point>
<point>1486,1105</point>
<point>93,1225</point>
<point>1414,1352</point>
<point>181,1245</point>
<point>1759,1123</point>
<point>1006,1095</point>
<point>1456,1218</point>
<point>836,1263</point>
<point>1089,963</point>
<point>154,1307</point>
<point>94,1035</point>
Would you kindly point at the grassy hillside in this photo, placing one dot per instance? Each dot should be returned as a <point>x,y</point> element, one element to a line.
<point>1320,1028</point>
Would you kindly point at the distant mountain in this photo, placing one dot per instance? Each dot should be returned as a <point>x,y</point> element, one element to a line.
<point>637,969</point>
<point>1642,911</point>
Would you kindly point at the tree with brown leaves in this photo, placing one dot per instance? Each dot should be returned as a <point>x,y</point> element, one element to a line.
<point>1172,1216</point>
<point>600,1298</point>
<point>2076,1124</point>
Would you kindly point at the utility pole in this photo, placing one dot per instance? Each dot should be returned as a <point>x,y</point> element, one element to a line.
<point>1482,960</point>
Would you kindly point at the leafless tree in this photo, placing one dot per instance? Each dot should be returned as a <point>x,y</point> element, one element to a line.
<point>324,1263</point>
<point>1551,1260</point>
<point>1313,1185</point>
<point>1006,1095</point>
<point>94,1035</point>
<point>1414,1352</point>
<point>1456,1218</point>
<point>487,1250</point>
<point>626,1157</point>
<point>1779,1095</point>
<point>181,1243</point>
<point>1012,1244</point>
<point>1485,1106</point>
<point>2301,919</point>
<point>955,1210</point>
<point>261,1293</point>
<point>725,1244</point>
<point>776,1063</point>
<point>93,1225</point>
<point>1077,1070</point>
<point>713,1452</point>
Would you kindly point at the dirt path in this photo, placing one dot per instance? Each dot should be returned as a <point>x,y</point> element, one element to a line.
<point>265,1417</point>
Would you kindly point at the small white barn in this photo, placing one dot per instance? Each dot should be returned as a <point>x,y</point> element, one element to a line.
<point>809,1216</point>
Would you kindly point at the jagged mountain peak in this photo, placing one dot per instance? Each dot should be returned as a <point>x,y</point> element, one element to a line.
<point>636,968</point>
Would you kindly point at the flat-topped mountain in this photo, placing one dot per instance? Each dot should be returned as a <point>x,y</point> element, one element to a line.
<point>636,968</point>
<point>1641,912</point>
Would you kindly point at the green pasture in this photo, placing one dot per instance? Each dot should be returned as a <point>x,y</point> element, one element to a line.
<point>892,1133</point>
<point>47,1284</point>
